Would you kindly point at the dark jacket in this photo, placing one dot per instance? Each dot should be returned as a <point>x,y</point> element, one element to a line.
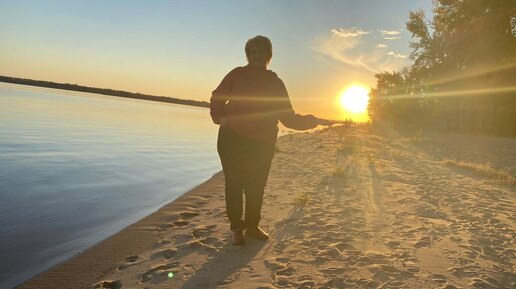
<point>253,100</point>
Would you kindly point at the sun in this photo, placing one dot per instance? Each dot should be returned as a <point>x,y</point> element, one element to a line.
<point>355,98</point>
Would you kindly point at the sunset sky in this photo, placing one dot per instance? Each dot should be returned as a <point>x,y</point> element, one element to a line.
<point>183,49</point>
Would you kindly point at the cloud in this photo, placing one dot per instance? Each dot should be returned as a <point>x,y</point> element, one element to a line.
<point>396,55</point>
<point>392,38</point>
<point>349,32</point>
<point>390,32</point>
<point>355,47</point>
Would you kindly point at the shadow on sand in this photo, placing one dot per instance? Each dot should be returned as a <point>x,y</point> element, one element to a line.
<point>226,266</point>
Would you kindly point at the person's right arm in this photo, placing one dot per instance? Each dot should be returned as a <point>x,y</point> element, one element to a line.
<point>219,97</point>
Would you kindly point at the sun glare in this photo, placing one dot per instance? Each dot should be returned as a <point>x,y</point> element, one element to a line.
<point>355,98</point>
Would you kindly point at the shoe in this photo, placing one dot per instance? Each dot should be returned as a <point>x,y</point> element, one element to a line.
<point>238,238</point>
<point>257,233</point>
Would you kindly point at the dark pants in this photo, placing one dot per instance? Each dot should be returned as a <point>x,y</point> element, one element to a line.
<point>246,164</point>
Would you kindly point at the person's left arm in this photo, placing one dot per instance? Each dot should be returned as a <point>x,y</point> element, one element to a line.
<point>289,118</point>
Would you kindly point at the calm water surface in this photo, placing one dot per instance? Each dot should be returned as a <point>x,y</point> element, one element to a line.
<point>76,168</point>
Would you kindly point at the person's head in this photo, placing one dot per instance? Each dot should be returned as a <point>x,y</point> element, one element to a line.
<point>258,51</point>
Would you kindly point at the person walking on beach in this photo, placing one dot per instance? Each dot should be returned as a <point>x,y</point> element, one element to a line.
<point>247,105</point>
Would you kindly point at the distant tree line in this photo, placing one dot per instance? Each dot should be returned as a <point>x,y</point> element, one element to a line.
<point>463,76</point>
<point>105,91</point>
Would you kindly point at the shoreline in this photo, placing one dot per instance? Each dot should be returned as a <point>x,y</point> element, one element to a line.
<point>102,91</point>
<point>83,269</point>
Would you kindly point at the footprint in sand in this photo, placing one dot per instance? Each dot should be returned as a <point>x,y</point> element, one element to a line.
<point>107,284</point>
<point>330,238</point>
<point>342,246</point>
<point>274,264</point>
<point>281,272</point>
<point>306,285</point>
<point>188,215</point>
<point>284,281</point>
<point>123,267</point>
<point>282,260</point>
<point>129,262</point>
<point>160,272</point>
<point>212,241</point>
<point>333,271</point>
<point>335,282</point>
<point>216,212</point>
<point>131,259</point>
<point>423,242</point>
<point>195,244</point>
<point>288,271</point>
<point>230,279</point>
<point>439,279</point>
<point>166,254</point>
<point>306,282</point>
<point>456,239</point>
<point>280,247</point>
<point>381,276</point>
<point>179,223</point>
<point>164,242</point>
<point>466,271</point>
<point>393,244</point>
<point>188,270</point>
<point>374,259</point>
<point>202,231</point>
<point>164,227</point>
<point>210,250</point>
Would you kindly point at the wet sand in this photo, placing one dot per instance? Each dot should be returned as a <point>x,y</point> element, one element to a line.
<point>346,207</point>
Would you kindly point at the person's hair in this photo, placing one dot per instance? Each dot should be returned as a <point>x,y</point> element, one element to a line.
<point>258,41</point>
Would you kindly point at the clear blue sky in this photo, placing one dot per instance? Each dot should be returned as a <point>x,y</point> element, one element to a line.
<point>184,48</point>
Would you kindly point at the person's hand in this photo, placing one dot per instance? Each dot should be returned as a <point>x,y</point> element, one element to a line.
<point>320,121</point>
<point>325,122</point>
<point>311,118</point>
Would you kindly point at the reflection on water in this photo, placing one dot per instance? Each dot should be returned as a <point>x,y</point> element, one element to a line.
<point>78,167</point>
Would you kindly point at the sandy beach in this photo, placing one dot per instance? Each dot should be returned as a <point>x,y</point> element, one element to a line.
<point>346,207</point>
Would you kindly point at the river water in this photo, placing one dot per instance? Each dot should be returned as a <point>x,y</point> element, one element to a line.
<point>77,167</point>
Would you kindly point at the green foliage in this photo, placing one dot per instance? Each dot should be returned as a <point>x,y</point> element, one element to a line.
<point>463,71</point>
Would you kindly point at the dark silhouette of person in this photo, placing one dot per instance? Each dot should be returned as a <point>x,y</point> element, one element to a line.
<point>247,105</point>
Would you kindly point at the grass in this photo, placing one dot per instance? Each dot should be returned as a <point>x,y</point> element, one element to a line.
<point>395,153</point>
<point>349,146</point>
<point>353,166</point>
<point>418,137</point>
<point>484,169</point>
<point>371,158</point>
<point>323,182</point>
<point>290,136</point>
<point>339,172</point>
<point>303,199</point>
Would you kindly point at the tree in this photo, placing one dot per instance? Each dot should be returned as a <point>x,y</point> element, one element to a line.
<point>464,66</point>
